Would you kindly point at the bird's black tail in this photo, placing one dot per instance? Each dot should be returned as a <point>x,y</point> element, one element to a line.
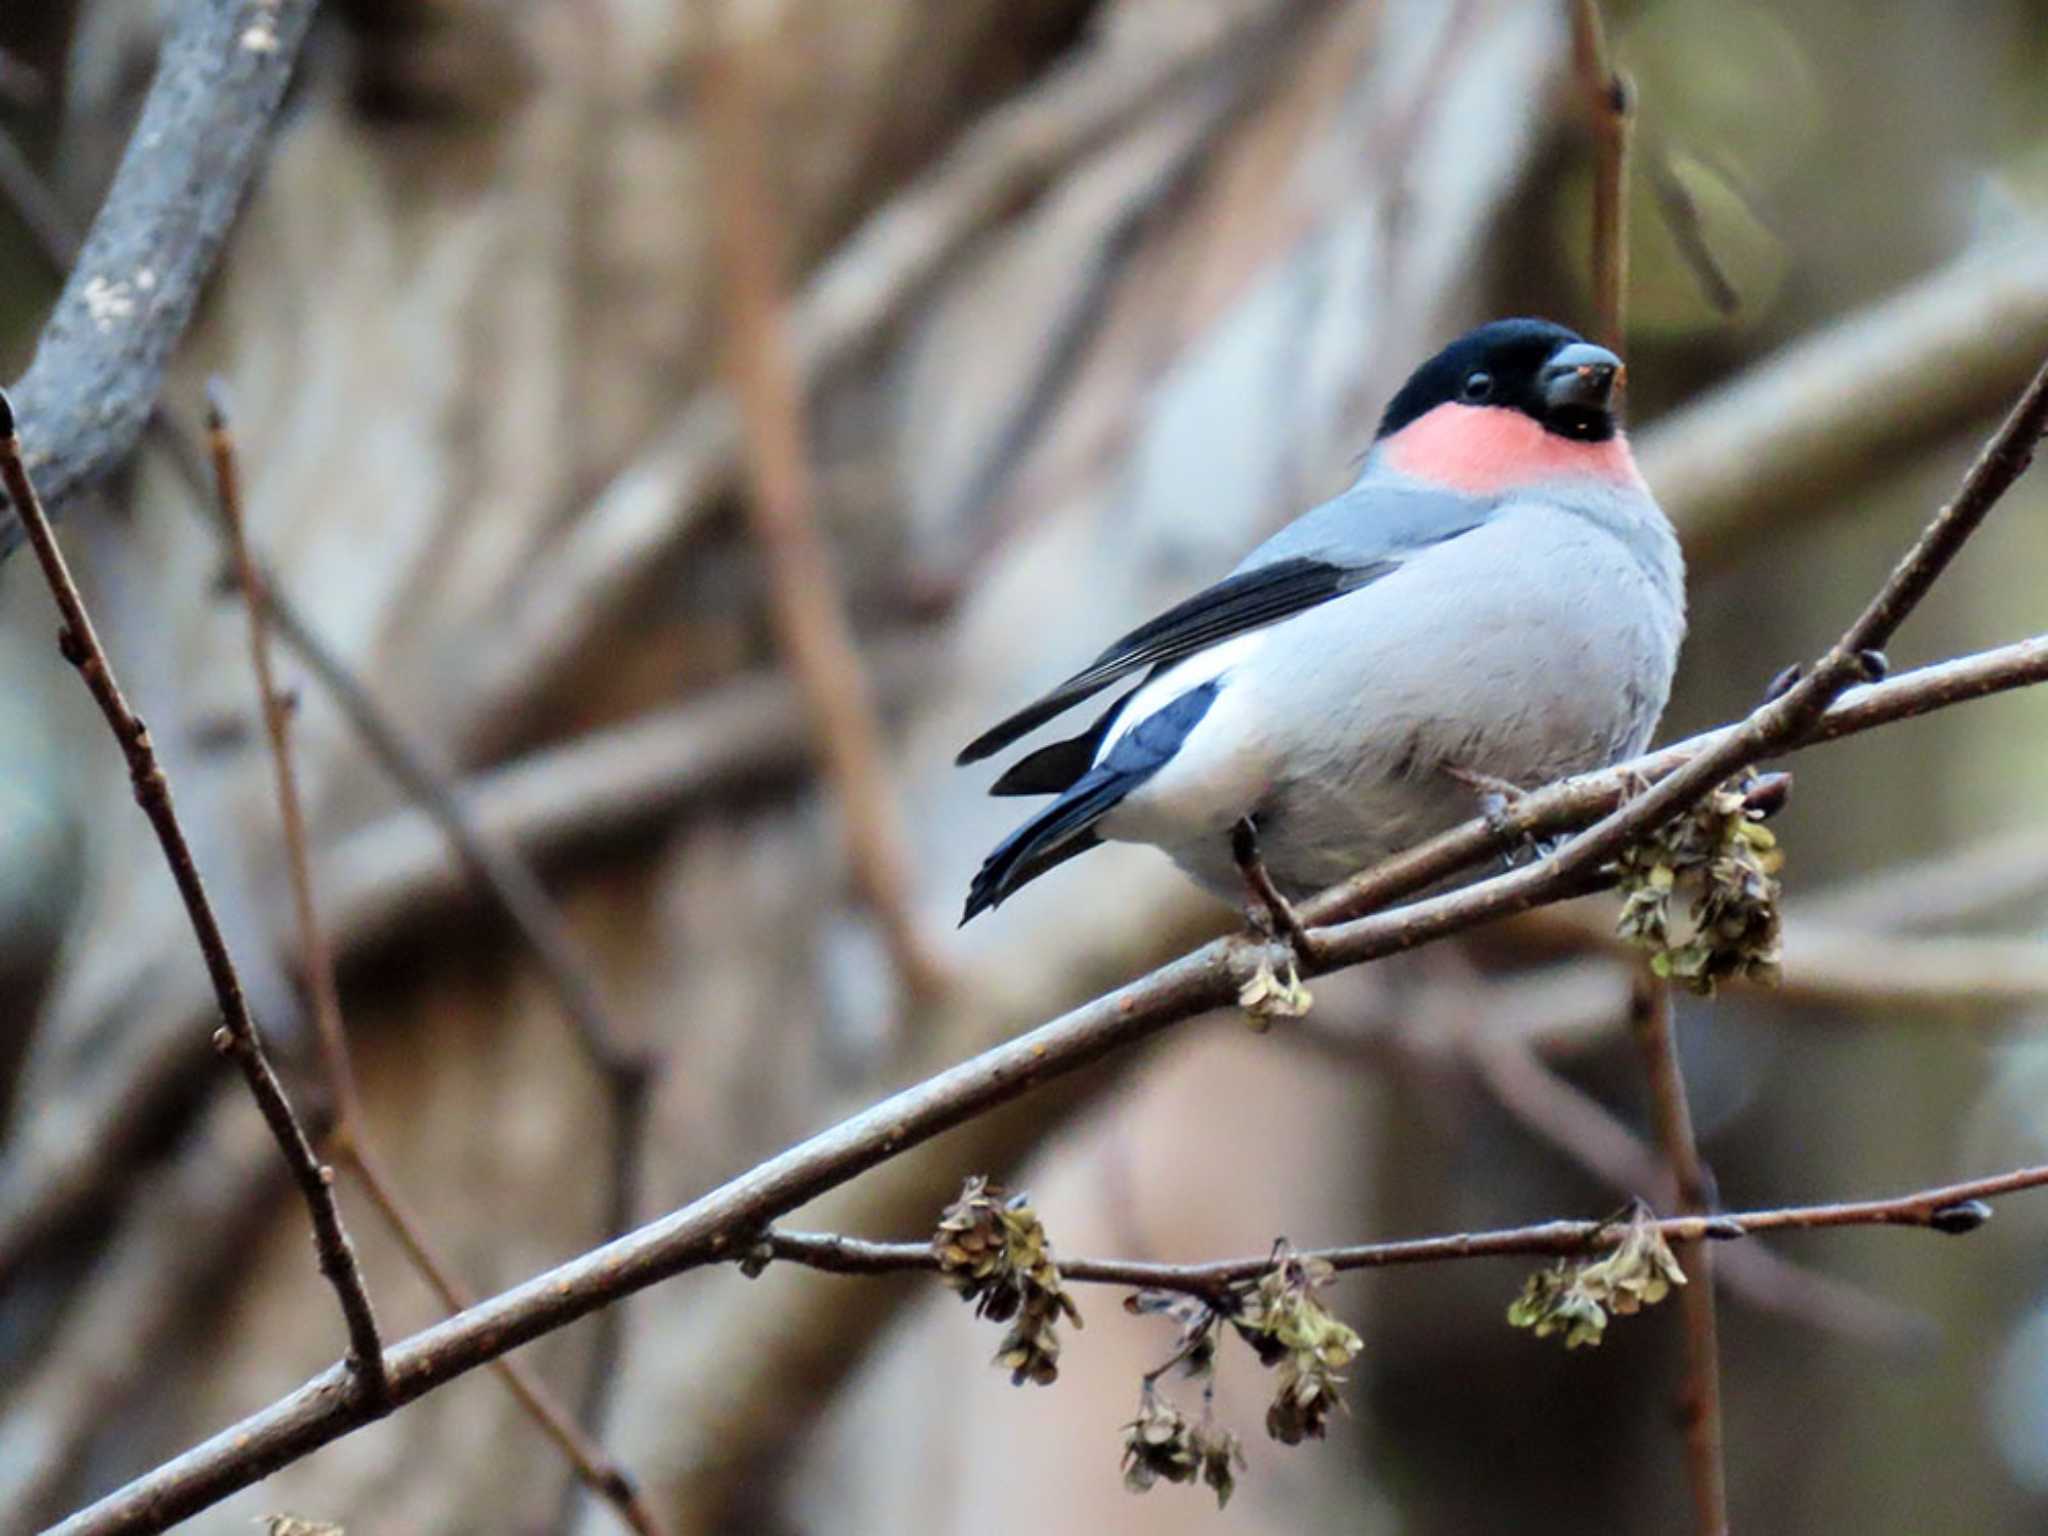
<point>1054,835</point>
<point>1067,826</point>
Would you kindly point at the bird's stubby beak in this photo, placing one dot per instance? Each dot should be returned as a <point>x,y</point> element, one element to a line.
<point>1581,375</point>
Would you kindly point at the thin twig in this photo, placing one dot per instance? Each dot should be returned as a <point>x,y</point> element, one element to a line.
<point>1793,717</point>
<point>814,633</point>
<point>316,959</point>
<point>1688,229</point>
<point>1699,1406</point>
<point>36,205</point>
<point>1834,408</point>
<point>1609,112</point>
<point>508,883</point>
<point>237,1037</point>
<point>1952,1209</point>
<point>593,1465</point>
<point>348,1138</point>
<point>717,1224</point>
<point>1577,1124</point>
<point>640,776</point>
<point>496,869</point>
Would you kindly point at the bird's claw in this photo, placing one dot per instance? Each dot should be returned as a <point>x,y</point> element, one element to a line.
<point>1266,995</point>
<point>1497,801</point>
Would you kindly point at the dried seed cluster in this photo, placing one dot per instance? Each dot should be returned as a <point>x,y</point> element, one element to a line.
<point>1288,1327</point>
<point>1575,1296</point>
<point>1279,1317</point>
<point>1721,850</point>
<point>993,1250</point>
<point>1162,1443</point>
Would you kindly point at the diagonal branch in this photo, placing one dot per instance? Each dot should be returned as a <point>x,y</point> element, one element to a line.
<point>348,1138</point>
<point>100,360</point>
<point>717,1226</point>
<point>238,1037</point>
<point>723,1223</point>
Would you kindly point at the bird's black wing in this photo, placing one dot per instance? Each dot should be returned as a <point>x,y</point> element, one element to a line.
<point>1249,600</point>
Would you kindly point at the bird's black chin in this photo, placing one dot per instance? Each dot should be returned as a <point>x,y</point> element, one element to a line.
<point>1580,423</point>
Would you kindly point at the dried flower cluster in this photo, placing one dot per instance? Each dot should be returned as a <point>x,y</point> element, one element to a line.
<point>993,1250</point>
<point>1722,850</point>
<point>1164,1443</point>
<point>1575,1296</point>
<point>1287,1327</point>
<point>1267,995</point>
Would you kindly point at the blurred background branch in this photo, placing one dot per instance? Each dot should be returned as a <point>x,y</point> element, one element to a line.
<point>1082,296</point>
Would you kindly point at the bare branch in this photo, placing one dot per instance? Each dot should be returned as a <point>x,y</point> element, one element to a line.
<point>1000,164</point>
<point>348,1138</point>
<point>1610,114</point>
<point>1836,407</point>
<point>100,360</point>
<point>720,1224</point>
<point>1993,875</point>
<point>813,631</point>
<point>1951,1209</point>
<point>1577,1124</point>
<point>238,1037</point>
<point>1700,1400</point>
<point>714,1227</point>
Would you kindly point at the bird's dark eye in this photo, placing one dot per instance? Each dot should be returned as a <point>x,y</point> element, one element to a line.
<point>1478,385</point>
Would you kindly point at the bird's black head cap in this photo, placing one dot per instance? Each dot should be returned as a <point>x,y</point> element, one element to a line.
<point>1533,366</point>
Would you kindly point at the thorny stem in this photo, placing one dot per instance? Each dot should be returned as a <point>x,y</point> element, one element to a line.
<point>348,1138</point>
<point>238,1037</point>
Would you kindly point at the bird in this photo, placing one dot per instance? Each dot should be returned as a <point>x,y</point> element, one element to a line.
<point>1496,602</point>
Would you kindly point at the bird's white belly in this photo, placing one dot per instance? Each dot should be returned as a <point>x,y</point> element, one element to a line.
<point>1334,729</point>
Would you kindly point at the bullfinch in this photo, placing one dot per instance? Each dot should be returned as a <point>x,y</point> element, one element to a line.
<point>1496,603</point>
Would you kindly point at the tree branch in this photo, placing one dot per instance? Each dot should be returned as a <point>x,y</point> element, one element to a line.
<point>1577,1124</point>
<point>1610,114</point>
<point>100,360</point>
<point>1700,1400</point>
<point>1951,1209</point>
<point>813,632</point>
<point>238,1037</point>
<point>1835,407</point>
<point>348,1138</point>
<point>718,1225</point>
<point>714,1227</point>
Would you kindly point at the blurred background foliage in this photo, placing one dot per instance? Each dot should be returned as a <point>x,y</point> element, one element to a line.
<point>473,318</point>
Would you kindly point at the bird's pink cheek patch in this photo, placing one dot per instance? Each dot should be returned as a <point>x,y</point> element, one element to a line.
<point>1484,450</point>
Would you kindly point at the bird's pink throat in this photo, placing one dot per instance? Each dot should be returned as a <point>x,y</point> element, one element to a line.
<point>1483,450</point>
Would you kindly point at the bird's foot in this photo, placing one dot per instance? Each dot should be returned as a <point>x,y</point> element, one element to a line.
<point>1271,914</point>
<point>1268,995</point>
<point>1497,801</point>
